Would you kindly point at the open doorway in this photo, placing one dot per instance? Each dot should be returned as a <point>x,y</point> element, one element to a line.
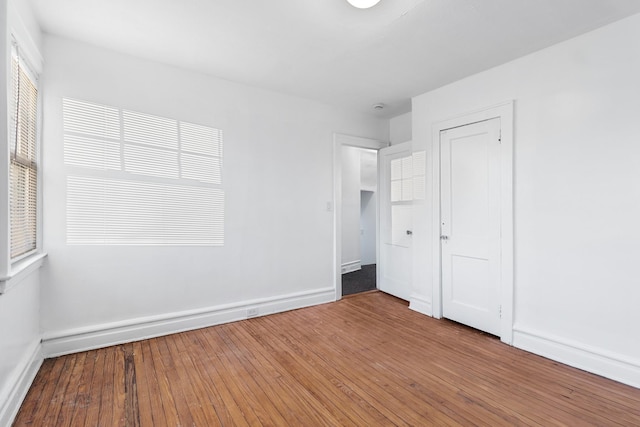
<point>359,224</point>
<point>356,214</point>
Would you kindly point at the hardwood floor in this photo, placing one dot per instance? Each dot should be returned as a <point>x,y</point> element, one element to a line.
<point>366,360</point>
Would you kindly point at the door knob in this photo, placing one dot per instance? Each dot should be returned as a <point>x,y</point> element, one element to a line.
<point>409,232</point>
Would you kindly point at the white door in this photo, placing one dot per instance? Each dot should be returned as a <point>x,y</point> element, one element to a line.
<point>470,224</point>
<point>396,197</point>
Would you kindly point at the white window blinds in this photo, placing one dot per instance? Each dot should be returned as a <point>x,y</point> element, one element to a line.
<point>23,170</point>
<point>138,179</point>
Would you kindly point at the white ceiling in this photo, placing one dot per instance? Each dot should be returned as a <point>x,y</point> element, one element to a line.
<point>326,49</point>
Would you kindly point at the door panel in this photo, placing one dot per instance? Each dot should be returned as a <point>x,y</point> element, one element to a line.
<point>401,221</point>
<point>470,224</point>
<point>396,198</point>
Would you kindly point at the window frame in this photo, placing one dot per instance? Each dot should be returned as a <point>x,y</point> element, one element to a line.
<point>25,59</point>
<point>13,271</point>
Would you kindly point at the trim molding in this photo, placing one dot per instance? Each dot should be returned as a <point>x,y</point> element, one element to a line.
<point>421,305</point>
<point>107,334</point>
<point>24,375</point>
<point>351,266</point>
<point>581,356</point>
<point>358,141</point>
<point>20,270</point>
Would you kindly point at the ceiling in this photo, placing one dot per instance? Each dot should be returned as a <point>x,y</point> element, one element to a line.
<point>328,50</point>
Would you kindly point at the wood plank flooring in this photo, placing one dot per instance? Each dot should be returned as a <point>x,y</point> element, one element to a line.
<point>364,361</point>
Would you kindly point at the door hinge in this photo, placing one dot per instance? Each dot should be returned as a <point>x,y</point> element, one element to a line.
<point>500,310</point>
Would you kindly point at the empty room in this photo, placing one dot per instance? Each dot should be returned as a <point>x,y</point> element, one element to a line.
<point>320,212</point>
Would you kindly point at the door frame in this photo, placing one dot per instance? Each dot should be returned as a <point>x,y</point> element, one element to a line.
<point>340,140</point>
<point>504,112</point>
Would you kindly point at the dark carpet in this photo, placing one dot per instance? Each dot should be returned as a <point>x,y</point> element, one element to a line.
<point>359,281</point>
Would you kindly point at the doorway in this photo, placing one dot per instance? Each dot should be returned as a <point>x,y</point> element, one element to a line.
<point>356,219</point>
<point>470,224</point>
<point>359,219</point>
<point>473,220</point>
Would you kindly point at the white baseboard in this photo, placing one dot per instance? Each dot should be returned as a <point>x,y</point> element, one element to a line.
<point>104,335</point>
<point>420,304</point>
<point>594,360</point>
<point>19,384</point>
<point>349,267</point>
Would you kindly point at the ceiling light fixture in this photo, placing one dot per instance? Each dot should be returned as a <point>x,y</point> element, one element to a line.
<point>363,4</point>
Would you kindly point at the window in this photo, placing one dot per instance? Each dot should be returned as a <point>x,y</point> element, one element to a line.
<point>402,179</point>
<point>407,183</point>
<point>408,177</point>
<point>139,179</point>
<point>23,170</point>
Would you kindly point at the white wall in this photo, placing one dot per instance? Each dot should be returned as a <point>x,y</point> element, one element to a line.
<point>400,129</point>
<point>19,343</point>
<point>350,162</point>
<point>368,170</point>
<point>20,354</point>
<point>359,176</point>
<point>368,209</point>
<point>23,22</point>
<point>577,193</point>
<point>5,47</point>
<point>277,177</point>
<point>368,205</point>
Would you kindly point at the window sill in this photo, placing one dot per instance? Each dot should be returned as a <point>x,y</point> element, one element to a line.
<point>20,270</point>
